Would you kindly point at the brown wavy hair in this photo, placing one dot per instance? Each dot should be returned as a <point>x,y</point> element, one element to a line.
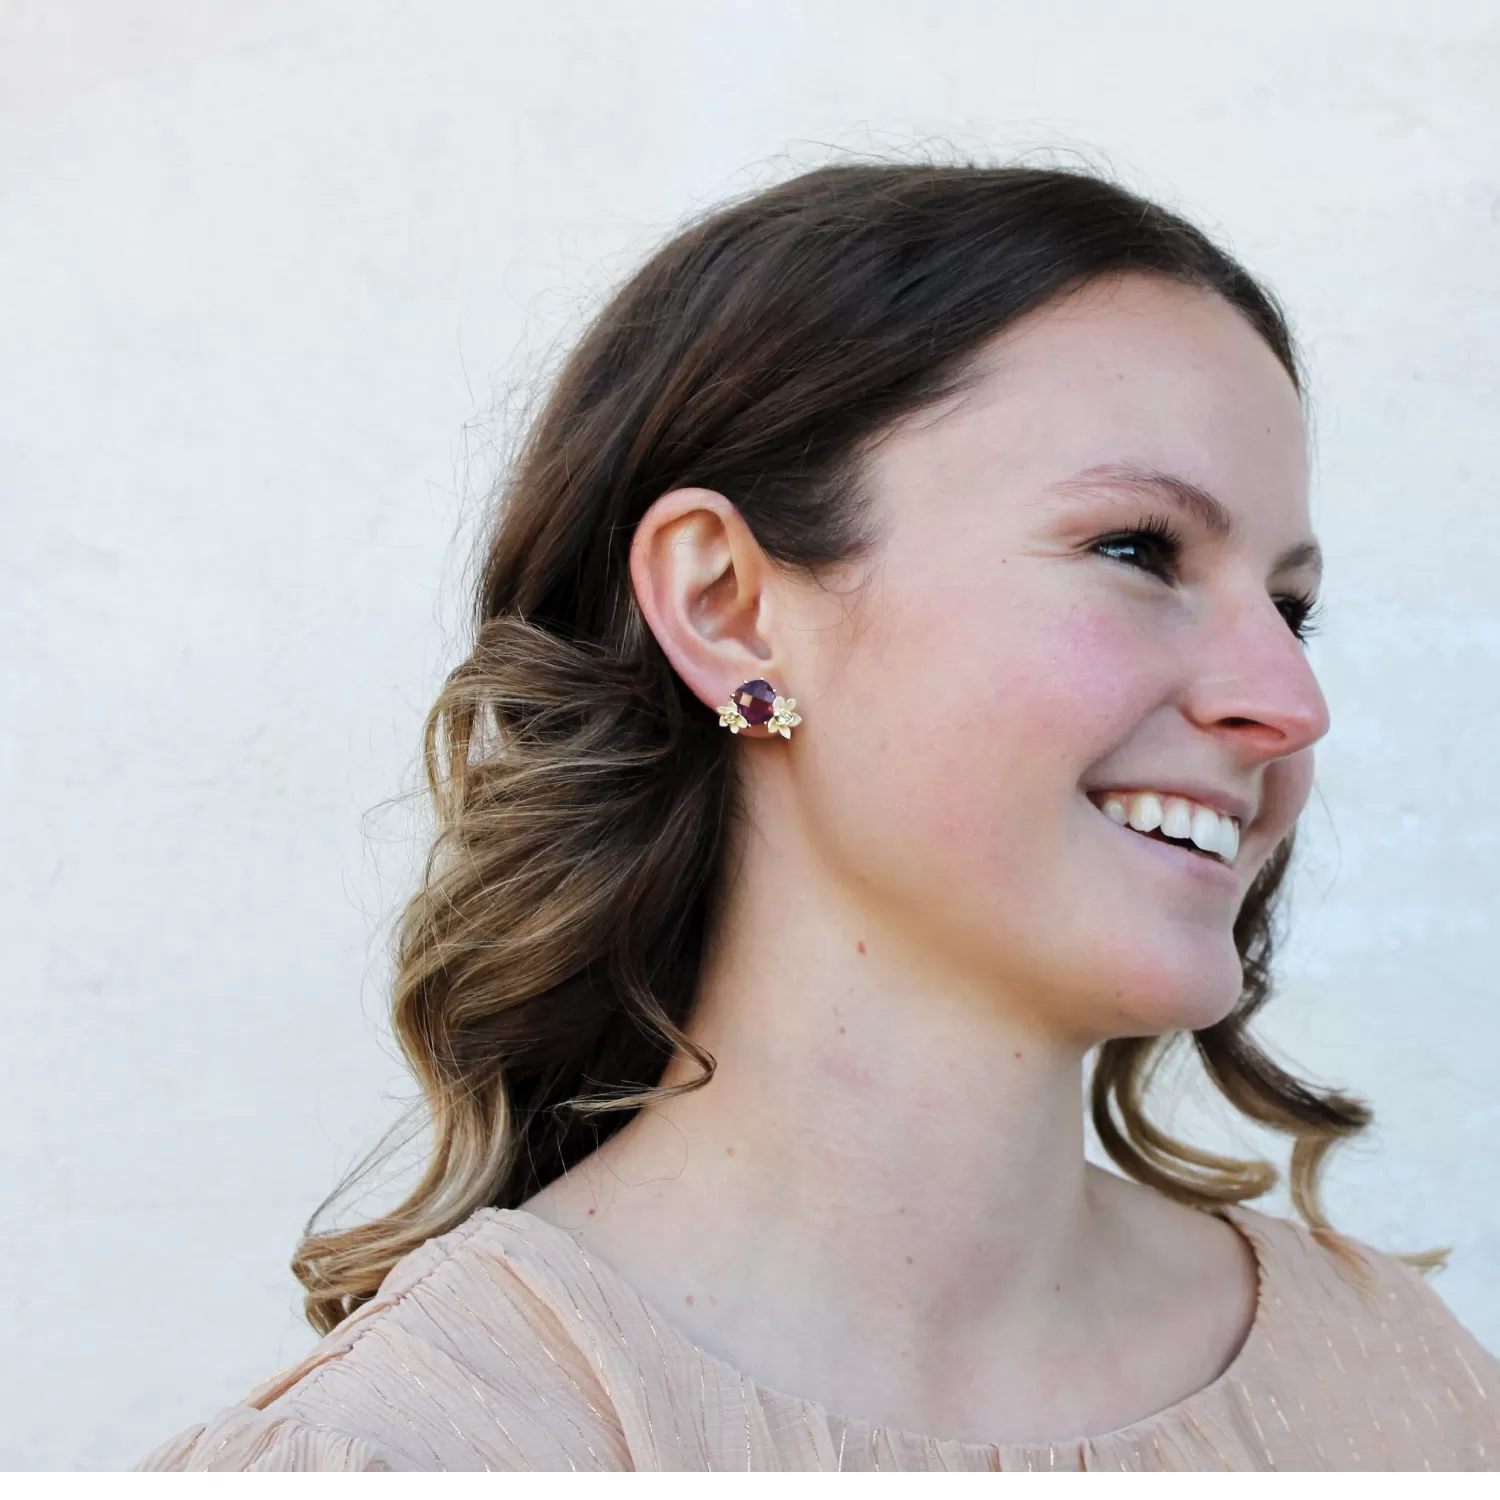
<point>546,967</point>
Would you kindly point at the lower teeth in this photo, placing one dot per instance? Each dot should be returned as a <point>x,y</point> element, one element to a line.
<point>1164,838</point>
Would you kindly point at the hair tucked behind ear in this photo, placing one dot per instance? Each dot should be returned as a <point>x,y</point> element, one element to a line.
<point>547,966</point>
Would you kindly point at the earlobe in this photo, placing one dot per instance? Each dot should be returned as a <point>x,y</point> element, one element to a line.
<point>701,580</point>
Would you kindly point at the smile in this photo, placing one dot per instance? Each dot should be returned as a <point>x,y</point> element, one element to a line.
<point>1174,820</point>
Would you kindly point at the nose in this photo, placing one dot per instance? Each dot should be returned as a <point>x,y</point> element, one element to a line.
<point>1258,687</point>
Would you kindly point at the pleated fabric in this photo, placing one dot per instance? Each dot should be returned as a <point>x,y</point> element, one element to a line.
<point>502,1345</point>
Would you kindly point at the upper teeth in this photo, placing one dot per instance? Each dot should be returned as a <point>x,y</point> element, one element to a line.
<point>1178,818</point>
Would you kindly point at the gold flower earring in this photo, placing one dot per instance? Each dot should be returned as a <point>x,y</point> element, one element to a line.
<point>759,703</point>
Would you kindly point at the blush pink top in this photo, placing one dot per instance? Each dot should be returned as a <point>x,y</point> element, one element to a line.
<point>503,1346</point>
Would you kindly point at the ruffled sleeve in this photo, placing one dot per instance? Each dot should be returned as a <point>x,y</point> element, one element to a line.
<point>248,1435</point>
<point>453,1364</point>
<point>244,1438</point>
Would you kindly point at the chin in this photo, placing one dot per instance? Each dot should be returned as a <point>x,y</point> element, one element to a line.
<point>1193,989</point>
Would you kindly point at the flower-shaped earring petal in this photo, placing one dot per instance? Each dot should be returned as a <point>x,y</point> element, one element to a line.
<point>783,719</point>
<point>732,719</point>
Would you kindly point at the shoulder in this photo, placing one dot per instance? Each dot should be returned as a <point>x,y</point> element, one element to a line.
<point>460,1361</point>
<point>1363,1322</point>
<point>1334,1269</point>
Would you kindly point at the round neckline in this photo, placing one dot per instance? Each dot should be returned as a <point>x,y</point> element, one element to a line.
<point>1237,1217</point>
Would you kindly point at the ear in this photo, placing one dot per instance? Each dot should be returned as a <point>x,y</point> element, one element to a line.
<point>707,591</point>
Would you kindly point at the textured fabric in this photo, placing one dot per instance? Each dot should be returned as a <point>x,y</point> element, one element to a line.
<point>502,1346</point>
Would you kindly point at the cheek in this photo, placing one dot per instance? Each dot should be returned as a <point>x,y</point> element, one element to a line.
<point>984,722</point>
<point>1086,675</point>
<point>1044,697</point>
<point>948,788</point>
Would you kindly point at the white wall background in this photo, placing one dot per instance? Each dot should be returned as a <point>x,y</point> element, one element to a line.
<point>266,265</point>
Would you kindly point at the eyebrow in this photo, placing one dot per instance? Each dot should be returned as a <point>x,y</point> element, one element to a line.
<point>1192,499</point>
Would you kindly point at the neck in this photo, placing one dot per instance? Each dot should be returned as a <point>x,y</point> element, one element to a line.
<point>881,1199</point>
<point>857,1088</point>
<point>885,1143</point>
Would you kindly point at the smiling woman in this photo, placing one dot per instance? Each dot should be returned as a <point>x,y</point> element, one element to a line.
<point>752,1058</point>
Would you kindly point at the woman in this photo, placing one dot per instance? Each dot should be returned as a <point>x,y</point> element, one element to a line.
<point>888,687</point>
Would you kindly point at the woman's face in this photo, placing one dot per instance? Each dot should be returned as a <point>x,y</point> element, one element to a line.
<point>1092,566</point>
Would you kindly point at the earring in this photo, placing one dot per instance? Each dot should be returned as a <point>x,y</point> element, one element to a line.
<point>759,703</point>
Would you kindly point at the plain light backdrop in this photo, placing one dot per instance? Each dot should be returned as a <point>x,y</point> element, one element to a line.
<point>278,278</point>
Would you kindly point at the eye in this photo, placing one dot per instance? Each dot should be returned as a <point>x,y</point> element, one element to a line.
<point>1302,614</point>
<point>1153,546</point>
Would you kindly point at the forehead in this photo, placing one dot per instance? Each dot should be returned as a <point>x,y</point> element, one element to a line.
<point>1139,372</point>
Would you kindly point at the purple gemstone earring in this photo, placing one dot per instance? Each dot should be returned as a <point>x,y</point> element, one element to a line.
<point>759,703</point>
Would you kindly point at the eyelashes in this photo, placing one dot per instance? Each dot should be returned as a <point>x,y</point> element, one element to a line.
<point>1154,546</point>
<point>1304,615</point>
